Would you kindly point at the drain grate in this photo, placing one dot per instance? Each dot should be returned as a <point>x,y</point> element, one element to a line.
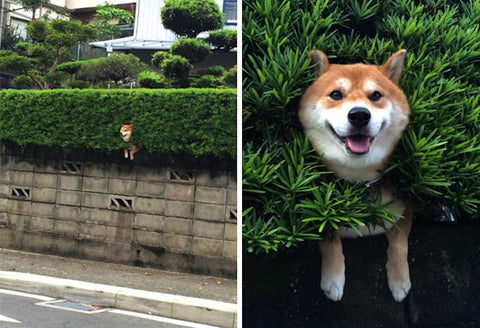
<point>74,306</point>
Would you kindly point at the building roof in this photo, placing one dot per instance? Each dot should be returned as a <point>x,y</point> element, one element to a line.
<point>149,33</point>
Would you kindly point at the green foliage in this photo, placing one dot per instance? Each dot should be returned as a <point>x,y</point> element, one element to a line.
<point>159,57</point>
<point>206,81</point>
<point>199,122</point>
<point>176,67</point>
<point>113,68</point>
<point>289,196</point>
<point>106,17</point>
<point>71,67</point>
<point>51,42</point>
<point>194,50</point>
<point>224,40</point>
<point>188,18</point>
<point>80,84</point>
<point>230,77</point>
<point>213,70</point>
<point>152,80</point>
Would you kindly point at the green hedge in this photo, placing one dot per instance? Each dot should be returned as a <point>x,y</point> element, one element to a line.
<point>194,121</point>
<point>289,197</point>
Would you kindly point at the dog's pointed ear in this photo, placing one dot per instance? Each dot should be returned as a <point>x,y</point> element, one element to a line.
<point>394,65</point>
<point>320,60</point>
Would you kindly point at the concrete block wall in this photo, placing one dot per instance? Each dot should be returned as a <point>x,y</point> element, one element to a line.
<point>178,219</point>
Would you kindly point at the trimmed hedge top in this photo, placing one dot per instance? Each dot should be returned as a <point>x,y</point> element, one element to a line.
<point>193,121</point>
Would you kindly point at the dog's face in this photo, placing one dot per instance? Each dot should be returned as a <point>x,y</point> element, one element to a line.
<point>126,132</point>
<point>354,114</point>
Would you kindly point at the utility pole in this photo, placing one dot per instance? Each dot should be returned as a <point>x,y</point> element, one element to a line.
<point>2,13</point>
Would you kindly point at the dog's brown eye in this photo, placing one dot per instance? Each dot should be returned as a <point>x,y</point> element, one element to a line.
<point>335,95</point>
<point>375,96</point>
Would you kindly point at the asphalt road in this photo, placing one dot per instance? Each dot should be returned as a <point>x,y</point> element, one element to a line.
<point>18,310</point>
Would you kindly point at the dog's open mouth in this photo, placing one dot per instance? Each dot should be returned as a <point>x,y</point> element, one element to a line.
<point>357,144</point>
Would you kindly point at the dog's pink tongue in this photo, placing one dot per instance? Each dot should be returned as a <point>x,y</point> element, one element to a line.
<point>358,144</point>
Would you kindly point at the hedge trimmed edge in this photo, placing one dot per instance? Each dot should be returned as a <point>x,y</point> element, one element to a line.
<point>193,121</point>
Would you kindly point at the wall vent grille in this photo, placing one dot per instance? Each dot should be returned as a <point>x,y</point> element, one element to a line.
<point>121,203</point>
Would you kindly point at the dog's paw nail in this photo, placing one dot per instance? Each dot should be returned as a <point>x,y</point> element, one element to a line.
<point>400,289</point>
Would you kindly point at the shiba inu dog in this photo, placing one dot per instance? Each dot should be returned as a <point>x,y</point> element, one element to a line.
<point>354,116</point>
<point>126,134</point>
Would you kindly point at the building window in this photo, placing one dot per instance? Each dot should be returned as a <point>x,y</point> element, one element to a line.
<point>230,11</point>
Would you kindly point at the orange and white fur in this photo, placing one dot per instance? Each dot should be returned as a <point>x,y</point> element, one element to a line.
<point>126,134</point>
<point>354,116</point>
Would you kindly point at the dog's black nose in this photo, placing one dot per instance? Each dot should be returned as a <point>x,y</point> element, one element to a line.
<point>359,116</point>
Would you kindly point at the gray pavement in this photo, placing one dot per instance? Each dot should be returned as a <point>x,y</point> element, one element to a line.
<point>203,299</point>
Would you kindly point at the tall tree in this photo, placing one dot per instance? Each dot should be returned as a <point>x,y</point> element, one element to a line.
<point>37,61</point>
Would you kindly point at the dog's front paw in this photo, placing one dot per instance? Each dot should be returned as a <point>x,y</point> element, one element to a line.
<point>125,153</point>
<point>399,288</point>
<point>333,286</point>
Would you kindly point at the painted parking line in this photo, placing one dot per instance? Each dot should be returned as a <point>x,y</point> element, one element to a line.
<point>7,319</point>
<point>162,319</point>
<point>21,294</point>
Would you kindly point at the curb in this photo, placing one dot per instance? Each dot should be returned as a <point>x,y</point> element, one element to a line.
<point>167,305</point>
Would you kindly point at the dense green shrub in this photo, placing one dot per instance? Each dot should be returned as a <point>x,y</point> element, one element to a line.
<point>188,18</point>
<point>230,77</point>
<point>288,195</point>
<point>71,67</point>
<point>113,68</point>
<point>193,121</point>
<point>176,67</point>
<point>195,50</point>
<point>212,70</point>
<point>159,57</point>
<point>224,40</point>
<point>80,84</point>
<point>206,81</point>
<point>152,80</point>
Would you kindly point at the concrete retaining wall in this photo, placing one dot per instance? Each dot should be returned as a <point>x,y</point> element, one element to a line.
<point>146,212</point>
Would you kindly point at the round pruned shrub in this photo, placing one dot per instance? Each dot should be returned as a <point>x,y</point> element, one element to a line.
<point>212,70</point>
<point>206,81</point>
<point>176,67</point>
<point>188,18</point>
<point>152,80</point>
<point>224,40</point>
<point>79,84</point>
<point>195,50</point>
<point>288,195</point>
<point>159,57</point>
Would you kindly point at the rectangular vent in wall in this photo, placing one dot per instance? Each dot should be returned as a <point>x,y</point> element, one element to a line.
<point>71,167</point>
<point>20,193</point>
<point>180,176</point>
<point>121,203</point>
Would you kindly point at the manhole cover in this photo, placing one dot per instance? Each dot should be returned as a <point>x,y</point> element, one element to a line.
<point>74,306</point>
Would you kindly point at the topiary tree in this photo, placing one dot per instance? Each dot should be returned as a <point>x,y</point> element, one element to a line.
<point>224,40</point>
<point>113,68</point>
<point>289,196</point>
<point>51,41</point>
<point>194,50</point>
<point>178,68</point>
<point>188,18</point>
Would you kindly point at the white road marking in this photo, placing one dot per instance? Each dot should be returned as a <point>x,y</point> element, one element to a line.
<point>7,319</point>
<point>162,319</point>
<point>36,297</point>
